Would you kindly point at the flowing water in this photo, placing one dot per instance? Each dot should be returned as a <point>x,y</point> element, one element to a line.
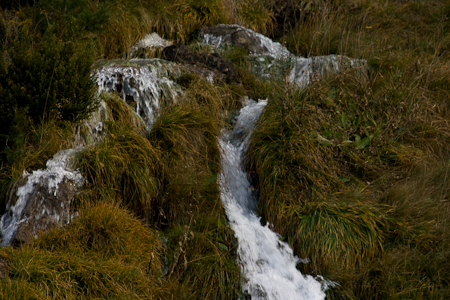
<point>268,264</point>
<point>58,169</point>
<point>274,61</point>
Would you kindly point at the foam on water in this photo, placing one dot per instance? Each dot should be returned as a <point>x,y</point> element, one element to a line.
<point>152,40</point>
<point>268,264</point>
<point>146,85</point>
<point>275,57</point>
<point>58,169</point>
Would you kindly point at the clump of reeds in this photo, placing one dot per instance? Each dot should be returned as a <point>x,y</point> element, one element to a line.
<point>201,244</point>
<point>104,253</point>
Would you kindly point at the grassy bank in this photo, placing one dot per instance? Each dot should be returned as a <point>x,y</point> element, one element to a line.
<point>352,171</point>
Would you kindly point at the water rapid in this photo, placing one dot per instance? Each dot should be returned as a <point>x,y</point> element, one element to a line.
<point>268,264</point>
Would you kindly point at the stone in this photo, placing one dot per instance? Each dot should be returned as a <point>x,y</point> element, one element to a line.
<point>213,61</point>
<point>45,210</point>
<point>41,200</point>
<point>235,35</point>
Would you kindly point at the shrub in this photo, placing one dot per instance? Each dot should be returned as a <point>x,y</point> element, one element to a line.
<point>44,80</point>
<point>72,17</point>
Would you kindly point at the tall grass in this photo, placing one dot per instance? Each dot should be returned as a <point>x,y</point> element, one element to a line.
<point>352,170</point>
<point>105,253</point>
<point>124,166</point>
<point>351,167</point>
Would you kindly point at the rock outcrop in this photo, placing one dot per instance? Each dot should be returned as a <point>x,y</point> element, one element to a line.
<point>213,61</point>
<point>145,84</point>
<point>270,59</point>
<point>223,35</point>
<point>41,200</point>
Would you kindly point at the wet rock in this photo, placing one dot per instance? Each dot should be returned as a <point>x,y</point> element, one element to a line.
<point>212,61</point>
<point>41,200</point>
<point>145,84</point>
<point>45,210</point>
<point>270,59</point>
<point>222,35</point>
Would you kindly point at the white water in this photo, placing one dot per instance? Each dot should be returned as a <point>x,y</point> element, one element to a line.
<point>152,40</point>
<point>301,70</point>
<point>148,85</point>
<point>58,169</point>
<point>268,264</point>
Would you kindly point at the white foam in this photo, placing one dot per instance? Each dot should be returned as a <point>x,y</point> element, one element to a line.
<point>58,169</point>
<point>152,40</point>
<point>268,264</point>
<point>146,85</point>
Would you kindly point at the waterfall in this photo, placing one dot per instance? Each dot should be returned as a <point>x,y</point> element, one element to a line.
<point>42,185</point>
<point>268,264</point>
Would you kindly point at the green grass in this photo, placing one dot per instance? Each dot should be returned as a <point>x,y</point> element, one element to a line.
<point>353,170</point>
<point>105,253</point>
<point>351,167</point>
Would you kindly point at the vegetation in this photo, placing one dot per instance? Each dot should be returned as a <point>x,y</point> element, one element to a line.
<point>342,163</point>
<point>104,253</point>
<point>352,170</point>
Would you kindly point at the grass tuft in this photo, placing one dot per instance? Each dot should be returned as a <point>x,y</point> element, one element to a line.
<point>105,253</point>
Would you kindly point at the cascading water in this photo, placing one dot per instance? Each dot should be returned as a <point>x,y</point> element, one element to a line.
<point>40,202</point>
<point>58,170</point>
<point>271,60</point>
<point>268,264</point>
<point>146,83</point>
